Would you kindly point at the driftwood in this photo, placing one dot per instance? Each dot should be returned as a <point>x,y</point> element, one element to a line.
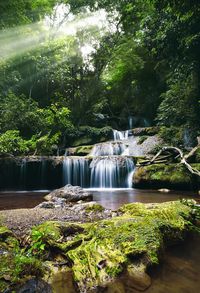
<point>173,153</point>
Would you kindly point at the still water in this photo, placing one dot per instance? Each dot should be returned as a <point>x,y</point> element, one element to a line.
<point>109,198</point>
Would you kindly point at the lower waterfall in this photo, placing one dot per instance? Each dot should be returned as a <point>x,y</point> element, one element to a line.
<point>76,171</point>
<point>111,172</point>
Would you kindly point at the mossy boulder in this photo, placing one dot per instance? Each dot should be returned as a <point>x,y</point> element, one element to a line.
<point>145,131</point>
<point>121,248</point>
<point>89,257</point>
<point>83,150</point>
<point>16,265</point>
<point>172,176</point>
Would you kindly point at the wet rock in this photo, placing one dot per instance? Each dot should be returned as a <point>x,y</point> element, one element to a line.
<point>116,287</point>
<point>46,205</point>
<point>70,194</point>
<point>61,280</point>
<point>35,286</point>
<point>137,279</point>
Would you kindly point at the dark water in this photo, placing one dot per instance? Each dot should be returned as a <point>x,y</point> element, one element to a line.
<point>179,272</point>
<point>21,199</point>
<point>111,199</point>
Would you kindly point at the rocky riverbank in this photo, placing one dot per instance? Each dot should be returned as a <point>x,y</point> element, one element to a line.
<point>104,252</point>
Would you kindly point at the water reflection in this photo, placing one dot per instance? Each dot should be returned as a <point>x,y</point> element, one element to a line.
<point>109,198</point>
<point>114,198</point>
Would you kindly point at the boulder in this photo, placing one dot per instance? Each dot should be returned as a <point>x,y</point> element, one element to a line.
<point>70,194</point>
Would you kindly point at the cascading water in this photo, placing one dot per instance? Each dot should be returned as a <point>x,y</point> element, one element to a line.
<point>108,165</point>
<point>76,171</point>
<point>111,172</point>
<point>108,149</point>
<point>104,173</point>
<point>120,135</point>
<point>113,168</point>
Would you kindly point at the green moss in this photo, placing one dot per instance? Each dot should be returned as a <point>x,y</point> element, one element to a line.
<point>83,150</point>
<point>99,252</point>
<point>161,175</point>
<point>15,263</point>
<point>142,139</point>
<point>94,208</point>
<point>140,232</point>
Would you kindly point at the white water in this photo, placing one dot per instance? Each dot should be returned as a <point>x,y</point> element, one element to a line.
<point>120,135</point>
<point>75,171</point>
<point>108,149</point>
<point>110,167</point>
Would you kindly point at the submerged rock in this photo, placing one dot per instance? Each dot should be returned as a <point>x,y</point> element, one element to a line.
<point>70,194</point>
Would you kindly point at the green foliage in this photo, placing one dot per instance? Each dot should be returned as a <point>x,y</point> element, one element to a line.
<point>18,112</point>
<point>172,135</point>
<point>12,143</point>
<point>147,68</point>
<point>180,102</point>
<point>43,236</point>
<point>18,12</point>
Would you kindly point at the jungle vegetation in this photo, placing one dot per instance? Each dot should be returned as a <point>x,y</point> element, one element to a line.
<point>144,63</point>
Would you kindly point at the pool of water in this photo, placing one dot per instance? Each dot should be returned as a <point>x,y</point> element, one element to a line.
<point>179,272</point>
<point>109,198</point>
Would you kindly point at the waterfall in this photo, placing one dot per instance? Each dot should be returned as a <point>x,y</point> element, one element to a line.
<point>120,135</point>
<point>104,173</point>
<point>130,122</point>
<point>75,171</point>
<point>111,172</point>
<point>107,166</point>
<point>108,149</point>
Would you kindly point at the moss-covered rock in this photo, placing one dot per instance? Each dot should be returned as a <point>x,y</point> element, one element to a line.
<point>98,253</point>
<point>173,176</point>
<point>145,131</point>
<point>16,265</point>
<point>195,158</point>
<point>83,150</point>
<point>89,256</point>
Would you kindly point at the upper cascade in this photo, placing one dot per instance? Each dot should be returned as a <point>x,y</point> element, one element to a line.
<point>108,149</point>
<point>120,135</point>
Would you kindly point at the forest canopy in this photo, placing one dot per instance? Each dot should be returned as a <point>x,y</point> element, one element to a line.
<point>76,66</point>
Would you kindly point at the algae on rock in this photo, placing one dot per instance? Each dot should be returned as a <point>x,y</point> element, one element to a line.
<point>172,176</point>
<point>119,249</point>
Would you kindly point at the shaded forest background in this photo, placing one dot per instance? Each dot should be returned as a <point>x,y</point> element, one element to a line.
<point>146,66</point>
